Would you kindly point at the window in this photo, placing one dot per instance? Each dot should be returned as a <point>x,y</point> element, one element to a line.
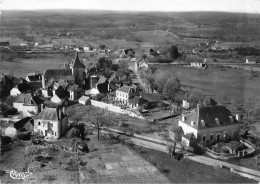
<point>39,123</point>
<point>55,133</point>
<point>218,137</point>
<point>211,137</point>
<point>52,132</point>
<point>204,138</point>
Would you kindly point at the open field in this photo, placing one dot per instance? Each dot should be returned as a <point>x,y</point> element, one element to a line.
<point>236,86</point>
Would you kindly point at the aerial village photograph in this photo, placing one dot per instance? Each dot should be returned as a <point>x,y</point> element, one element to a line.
<point>130,92</point>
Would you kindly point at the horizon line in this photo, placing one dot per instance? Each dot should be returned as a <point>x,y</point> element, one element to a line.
<point>142,11</point>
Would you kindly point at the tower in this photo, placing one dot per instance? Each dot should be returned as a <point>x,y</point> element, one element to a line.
<point>78,70</point>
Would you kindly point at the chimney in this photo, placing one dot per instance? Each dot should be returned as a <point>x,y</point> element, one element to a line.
<point>64,110</point>
<point>202,123</point>
<point>231,119</point>
<point>217,121</point>
<point>43,82</point>
<point>237,117</point>
<point>183,117</point>
<point>42,107</point>
<point>59,113</point>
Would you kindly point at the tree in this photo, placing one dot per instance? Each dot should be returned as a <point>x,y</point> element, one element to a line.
<point>102,46</point>
<point>250,109</point>
<point>103,63</point>
<point>101,119</point>
<point>171,88</point>
<point>173,52</point>
<point>124,64</point>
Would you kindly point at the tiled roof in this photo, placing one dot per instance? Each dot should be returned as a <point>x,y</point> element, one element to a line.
<point>21,123</point>
<point>34,77</point>
<point>84,98</point>
<point>48,114</point>
<point>113,79</point>
<point>57,74</point>
<point>101,80</point>
<point>77,63</point>
<point>26,98</point>
<point>125,89</point>
<point>209,115</point>
<point>151,97</point>
<point>138,100</point>
<point>23,87</point>
<point>120,73</point>
<point>73,87</point>
<point>62,83</point>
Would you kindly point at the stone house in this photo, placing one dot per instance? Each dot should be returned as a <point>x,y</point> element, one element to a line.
<point>51,122</point>
<point>210,123</point>
<point>124,93</point>
<point>28,104</point>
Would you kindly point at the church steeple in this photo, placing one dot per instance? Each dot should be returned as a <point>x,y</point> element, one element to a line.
<point>77,63</point>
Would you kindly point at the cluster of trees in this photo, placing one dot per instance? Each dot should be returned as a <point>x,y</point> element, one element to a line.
<point>248,51</point>
<point>161,82</point>
<point>166,55</point>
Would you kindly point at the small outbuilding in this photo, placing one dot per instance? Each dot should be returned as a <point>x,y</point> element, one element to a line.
<point>84,100</point>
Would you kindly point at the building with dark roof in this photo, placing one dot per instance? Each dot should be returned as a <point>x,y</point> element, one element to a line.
<point>210,123</point>
<point>51,122</point>
<point>75,74</point>
<point>20,88</point>
<point>28,104</point>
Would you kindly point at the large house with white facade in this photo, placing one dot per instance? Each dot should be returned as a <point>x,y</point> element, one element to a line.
<point>124,93</point>
<point>51,122</point>
<point>210,123</point>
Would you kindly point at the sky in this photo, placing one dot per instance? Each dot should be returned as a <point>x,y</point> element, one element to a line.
<point>247,6</point>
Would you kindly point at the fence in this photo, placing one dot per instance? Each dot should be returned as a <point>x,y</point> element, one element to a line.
<point>114,108</point>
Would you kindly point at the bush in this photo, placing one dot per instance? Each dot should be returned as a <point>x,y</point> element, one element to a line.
<point>24,136</point>
<point>73,133</point>
<point>5,140</point>
<point>49,178</point>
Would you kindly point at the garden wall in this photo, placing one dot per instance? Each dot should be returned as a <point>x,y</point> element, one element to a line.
<point>114,108</point>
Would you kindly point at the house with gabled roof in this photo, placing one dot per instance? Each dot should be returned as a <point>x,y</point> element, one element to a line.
<point>210,123</point>
<point>73,91</point>
<point>51,122</point>
<point>33,77</point>
<point>28,104</point>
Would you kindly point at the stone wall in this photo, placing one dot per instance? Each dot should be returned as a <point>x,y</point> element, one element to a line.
<point>114,108</point>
